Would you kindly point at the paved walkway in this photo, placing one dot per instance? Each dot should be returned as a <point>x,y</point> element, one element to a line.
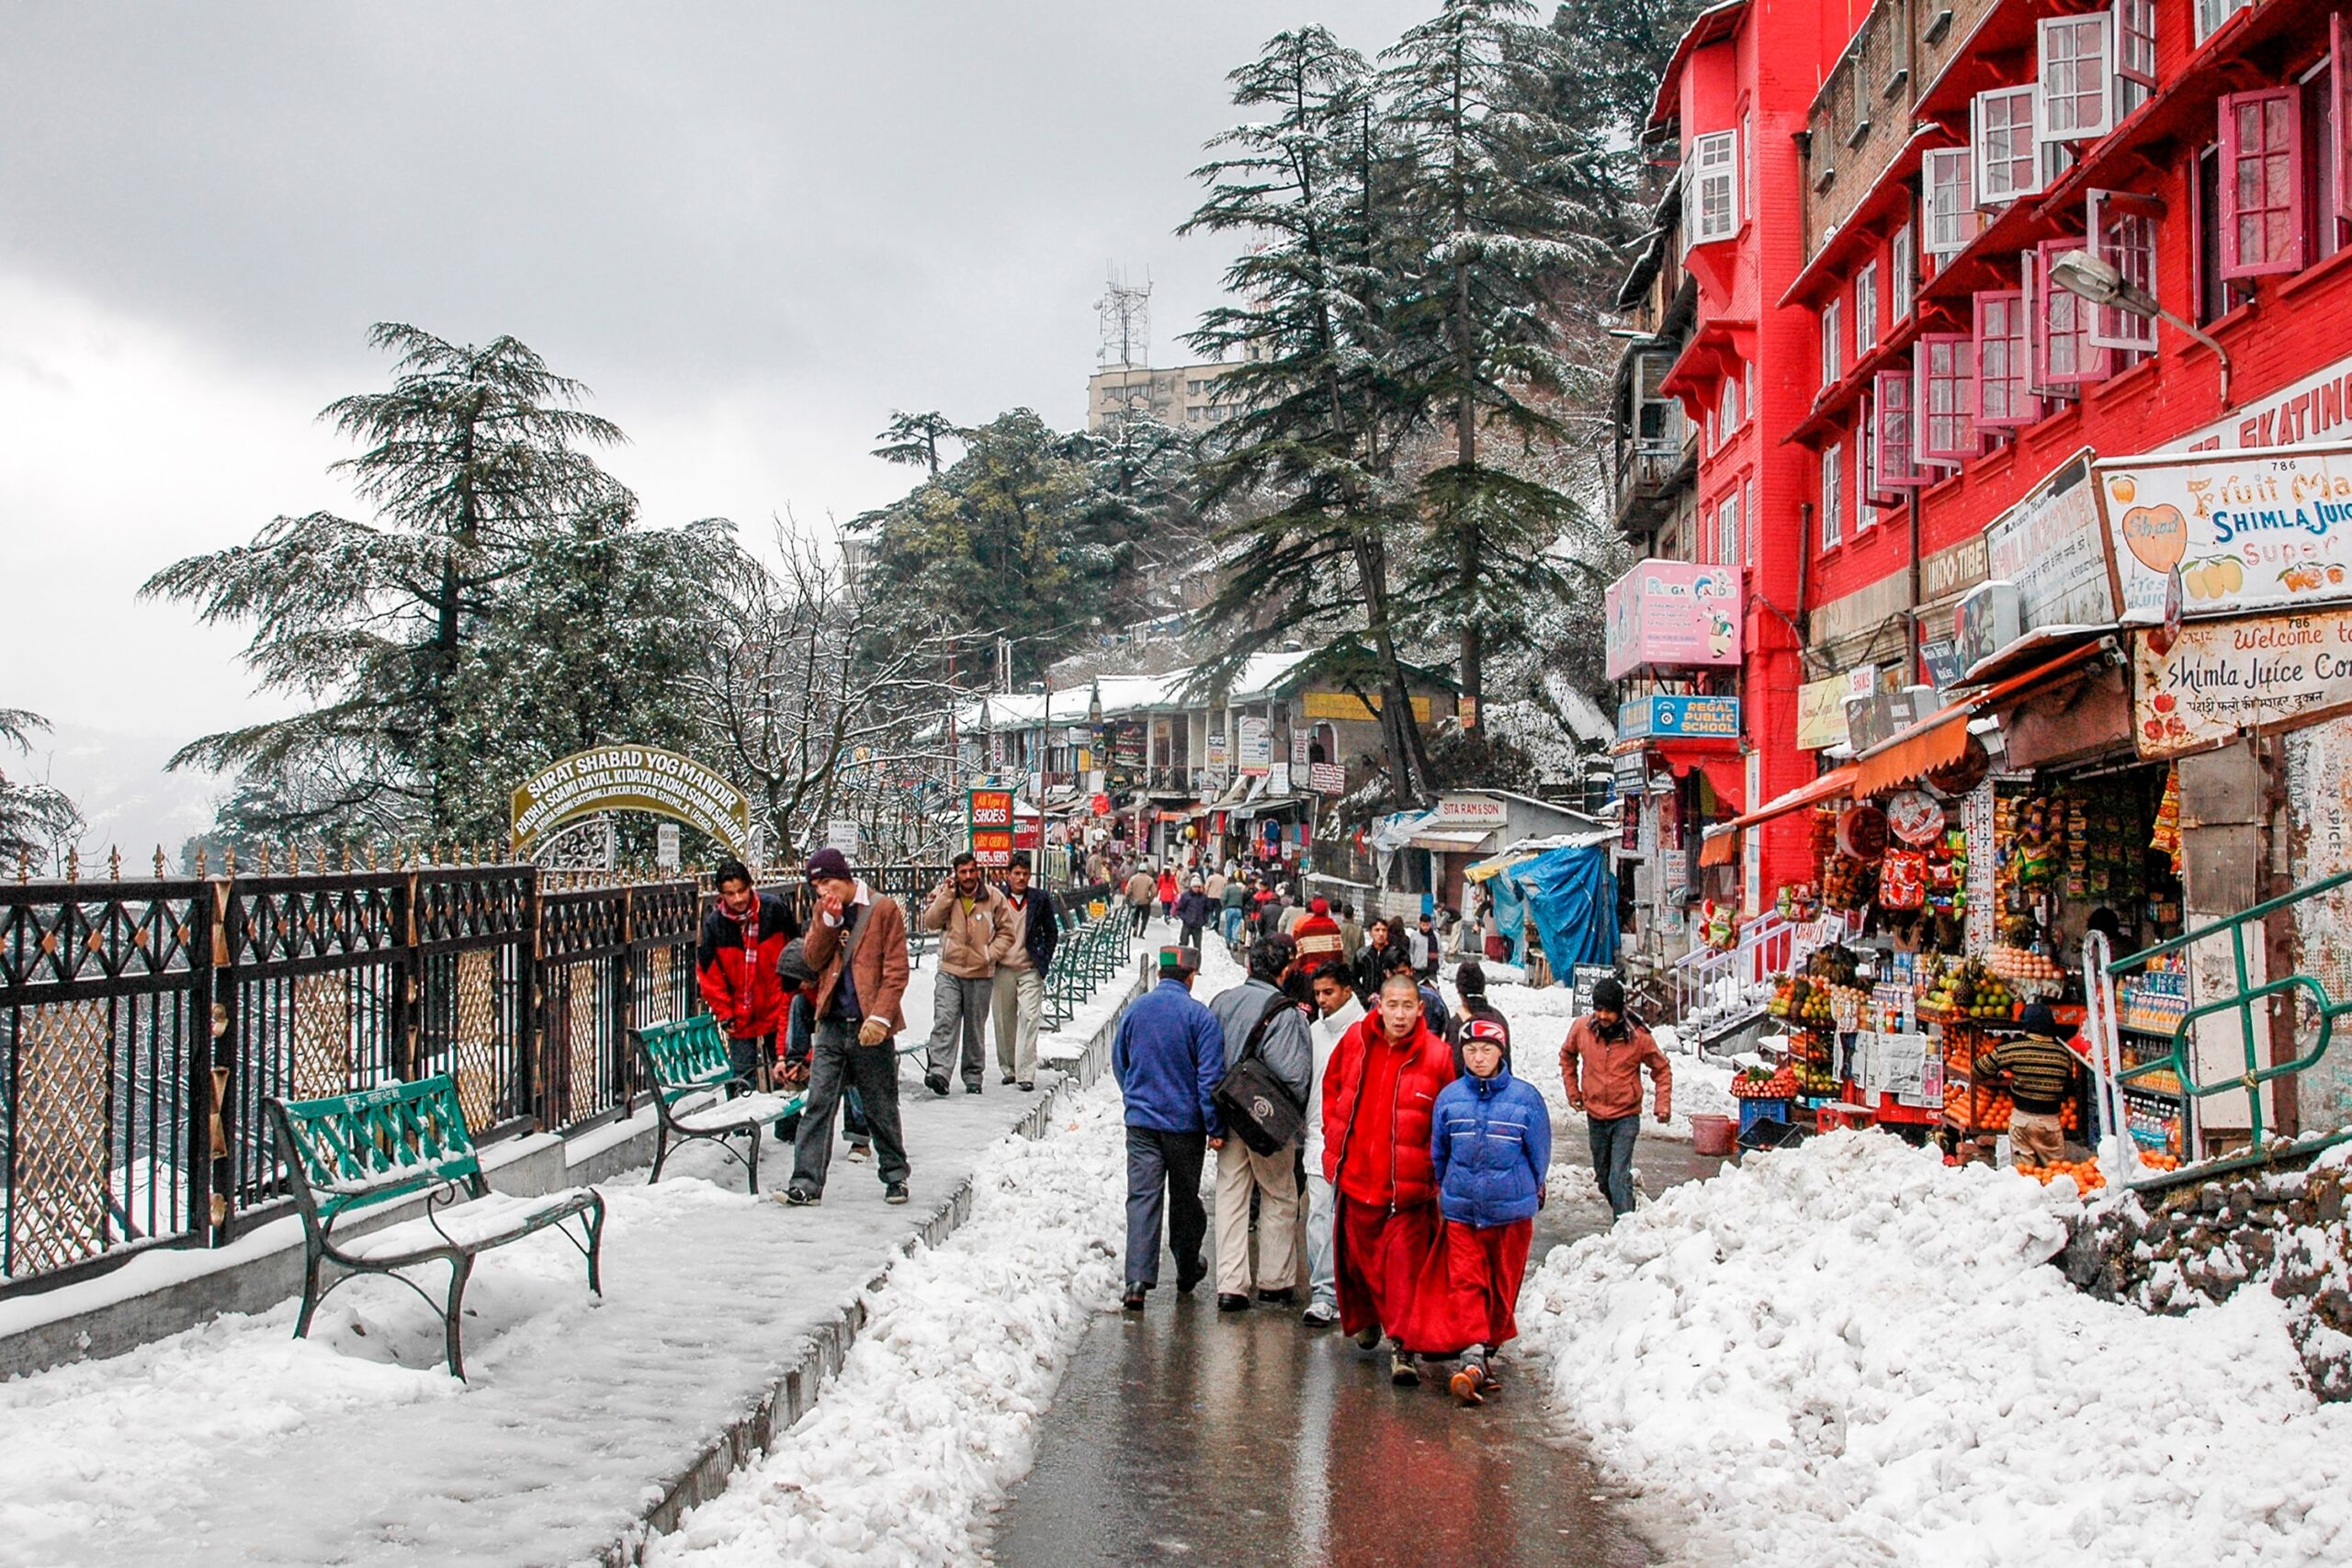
<point>233,1443</point>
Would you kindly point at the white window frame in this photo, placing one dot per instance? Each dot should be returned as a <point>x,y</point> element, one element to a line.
<point>1995,172</point>
<point>2126,240</point>
<point>1902,274</point>
<point>1947,200</point>
<point>2211,13</point>
<point>1728,419</point>
<point>2091,38</point>
<point>1728,521</point>
<point>2135,54</point>
<point>1832,333</point>
<point>1712,183</point>
<point>1865,310</point>
<point>1833,495</point>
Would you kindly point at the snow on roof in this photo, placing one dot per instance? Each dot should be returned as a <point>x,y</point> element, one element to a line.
<point>1260,672</point>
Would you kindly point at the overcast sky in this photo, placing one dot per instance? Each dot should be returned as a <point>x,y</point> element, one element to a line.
<point>753,228</point>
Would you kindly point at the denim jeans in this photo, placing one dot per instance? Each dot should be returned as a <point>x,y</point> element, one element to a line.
<point>1613,1157</point>
<point>1231,924</point>
<point>1322,1280</point>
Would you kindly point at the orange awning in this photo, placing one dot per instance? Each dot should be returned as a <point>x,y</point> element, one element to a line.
<point>1829,786</point>
<point>1719,849</point>
<point>1942,737</point>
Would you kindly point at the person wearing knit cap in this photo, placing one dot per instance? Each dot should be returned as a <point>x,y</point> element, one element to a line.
<point>857,946</point>
<point>1318,936</point>
<point>1601,1062</point>
<point>2039,1072</point>
<point>1167,1056</point>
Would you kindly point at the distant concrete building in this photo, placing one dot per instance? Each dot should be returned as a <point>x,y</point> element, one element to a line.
<point>1184,396</point>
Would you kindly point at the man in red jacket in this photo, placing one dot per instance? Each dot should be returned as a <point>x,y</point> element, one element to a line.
<point>1378,1092</point>
<point>742,936</point>
<point>1318,936</point>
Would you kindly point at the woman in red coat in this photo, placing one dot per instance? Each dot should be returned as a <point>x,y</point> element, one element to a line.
<point>1378,1094</point>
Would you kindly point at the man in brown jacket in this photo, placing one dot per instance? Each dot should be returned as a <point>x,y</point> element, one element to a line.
<point>976,928</point>
<point>857,945</point>
<point>1601,1062</point>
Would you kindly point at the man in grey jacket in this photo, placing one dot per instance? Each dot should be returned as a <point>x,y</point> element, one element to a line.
<point>1288,1052</point>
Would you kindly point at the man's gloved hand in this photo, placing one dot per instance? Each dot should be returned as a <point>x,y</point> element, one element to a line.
<point>873,1032</point>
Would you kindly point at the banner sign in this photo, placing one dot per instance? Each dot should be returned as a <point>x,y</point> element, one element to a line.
<point>1674,718</point>
<point>1327,778</point>
<point>987,820</point>
<point>1671,613</point>
<point>2259,529</point>
<point>1257,746</point>
<point>2223,678</point>
<point>1220,749</point>
<point>630,778</point>
<point>2052,544</point>
<point>1349,708</point>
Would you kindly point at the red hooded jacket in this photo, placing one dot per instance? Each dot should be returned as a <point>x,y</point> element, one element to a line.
<point>738,975</point>
<point>1428,1067</point>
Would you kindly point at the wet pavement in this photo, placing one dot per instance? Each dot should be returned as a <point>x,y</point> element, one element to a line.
<point>1183,1434</point>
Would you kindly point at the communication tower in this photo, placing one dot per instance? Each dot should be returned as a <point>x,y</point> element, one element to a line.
<point>1124,311</point>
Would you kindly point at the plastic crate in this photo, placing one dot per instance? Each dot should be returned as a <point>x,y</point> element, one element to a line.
<point>1751,1111</point>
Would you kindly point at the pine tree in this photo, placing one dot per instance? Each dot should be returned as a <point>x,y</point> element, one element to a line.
<point>1499,191</point>
<point>389,629</point>
<point>37,821</point>
<point>1308,464</point>
<point>913,439</point>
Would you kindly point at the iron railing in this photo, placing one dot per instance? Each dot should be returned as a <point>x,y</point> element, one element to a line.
<point>143,1024</point>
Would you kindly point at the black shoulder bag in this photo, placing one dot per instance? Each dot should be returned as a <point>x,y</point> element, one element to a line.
<point>1256,1104</point>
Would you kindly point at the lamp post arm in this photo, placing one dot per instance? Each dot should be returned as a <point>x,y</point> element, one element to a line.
<point>2199,335</point>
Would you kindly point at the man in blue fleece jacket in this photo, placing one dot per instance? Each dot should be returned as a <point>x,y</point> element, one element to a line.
<point>1167,1056</point>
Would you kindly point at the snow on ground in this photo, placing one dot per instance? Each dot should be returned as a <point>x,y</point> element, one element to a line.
<point>1850,1353</point>
<point>234,1441</point>
<point>930,1420</point>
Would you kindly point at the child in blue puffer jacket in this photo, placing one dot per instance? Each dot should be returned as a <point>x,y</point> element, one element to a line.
<point>1490,1138</point>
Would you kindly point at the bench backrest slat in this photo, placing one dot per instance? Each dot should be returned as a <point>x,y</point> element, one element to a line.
<point>352,1151</point>
<point>687,1058</point>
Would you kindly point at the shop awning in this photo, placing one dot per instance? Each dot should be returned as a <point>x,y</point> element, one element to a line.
<point>1720,846</point>
<point>1830,785</point>
<point>1455,841</point>
<point>1941,737</point>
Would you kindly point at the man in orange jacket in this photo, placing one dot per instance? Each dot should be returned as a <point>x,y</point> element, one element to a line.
<point>1601,1062</point>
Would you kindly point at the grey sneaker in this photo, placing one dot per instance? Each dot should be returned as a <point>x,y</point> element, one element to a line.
<point>1321,1314</point>
<point>895,1193</point>
<point>799,1197</point>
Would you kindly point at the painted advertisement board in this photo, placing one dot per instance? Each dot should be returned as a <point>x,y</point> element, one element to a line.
<point>2259,529</point>
<point>1679,718</point>
<point>987,820</point>
<point>2223,678</point>
<point>1256,744</point>
<point>2053,545</point>
<point>1671,614</point>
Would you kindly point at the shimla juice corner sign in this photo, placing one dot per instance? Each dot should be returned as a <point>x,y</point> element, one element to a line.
<point>2245,530</point>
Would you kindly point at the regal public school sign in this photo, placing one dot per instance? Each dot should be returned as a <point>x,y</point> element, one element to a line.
<point>630,778</point>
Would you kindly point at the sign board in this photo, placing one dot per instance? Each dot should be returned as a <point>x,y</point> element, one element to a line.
<point>2223,678</point>
<point>1346,706</point>
<point>1878,716</point>
<point>987,820</point>
<point>842,836</point>
<point>665,847</point>
<point>1327,778</point>
<point>1582,978</point>
<point>1954,570</point>
<point>1821,707</point>
<point>2053,545</point>
<point>1671,613</point>
<point>1298,747</point>
<point>630,778</point>
<point>1278,779</point>
<point>1941,665</point>
<point>1631,773</point>
<point>1468,811</point>
<point>1257,746</point>
<point>1129,748</point>
<point>1679,718</point>
<point>1220,749</point>
<point>2317,408</point>
<point>2261,529</point>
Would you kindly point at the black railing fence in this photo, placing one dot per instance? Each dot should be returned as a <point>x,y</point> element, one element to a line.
<point>143,1024</point>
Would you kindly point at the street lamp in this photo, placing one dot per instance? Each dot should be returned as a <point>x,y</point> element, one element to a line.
<point>2083,274</point>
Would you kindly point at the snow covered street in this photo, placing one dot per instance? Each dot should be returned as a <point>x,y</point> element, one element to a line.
<point>1850,1353</point>
<point>234,1442</point>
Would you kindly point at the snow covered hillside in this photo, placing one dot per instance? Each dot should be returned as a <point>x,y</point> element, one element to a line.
<point>1850,1353</point>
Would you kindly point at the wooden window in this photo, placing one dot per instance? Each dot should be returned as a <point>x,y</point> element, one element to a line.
<point>2002,396</point>
<point>1890,431</point>
<point>2077,77</point>
<point>2009,156</point>
<point>2135,54</point>
<point>1902,274</point>
<point>2211,13</point>
<point>2262,166</point>
<point>2122,234</point>
<point>1866,489</point>
<point>1866,310</point>
<point>1943,398</point>
<point>1727,530</point>
<point>1713,193</point>
<point>1948,201</point>
<point>1833,496</point>
<point>2065,355</point>
<point>1832,331</point>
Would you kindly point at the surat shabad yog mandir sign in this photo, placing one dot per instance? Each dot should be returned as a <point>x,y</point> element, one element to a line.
<point>630,778</point>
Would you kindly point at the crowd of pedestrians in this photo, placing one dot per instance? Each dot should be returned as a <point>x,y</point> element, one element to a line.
<point>1373,1145</point>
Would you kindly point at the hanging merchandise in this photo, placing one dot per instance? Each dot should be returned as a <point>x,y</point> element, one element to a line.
<point>1862,832</point>
<point>1903,880</point>
<point>2165,839</point>
<point>1915,817</point>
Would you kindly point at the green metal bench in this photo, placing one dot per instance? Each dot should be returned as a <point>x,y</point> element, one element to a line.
<point>688,1068</point>
<point>1090,953</point>
<point>354,1152</point>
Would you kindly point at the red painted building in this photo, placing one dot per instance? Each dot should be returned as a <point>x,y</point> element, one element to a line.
<point>1719,369</point>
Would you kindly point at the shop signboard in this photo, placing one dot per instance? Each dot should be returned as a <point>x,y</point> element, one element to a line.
<point>1661,718</point>
<point>2317,408</point>
<point>1278,779</point>
<point>2221,679</point>
<point>1671,613</point>
<point>1299,753</point>
<point>2260,529</point>
<point>1220,749</point>
<point>987,820</point>
<point>1582,980</point>
<point>1631,773</point>
<point>1821,707</point>
<point>2052,547</point>
<point>1129,748</point>
<point>1327,778</point>
<point>1878,716</point>
<point>1348,708</point>
<point>1257,746</point>
<point>1468,811</point>
<point>1941,665</point>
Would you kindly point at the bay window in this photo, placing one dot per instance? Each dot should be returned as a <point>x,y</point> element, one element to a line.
<point>1711,198</point>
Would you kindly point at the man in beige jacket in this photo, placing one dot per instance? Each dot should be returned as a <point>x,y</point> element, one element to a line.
<point>975,930</point>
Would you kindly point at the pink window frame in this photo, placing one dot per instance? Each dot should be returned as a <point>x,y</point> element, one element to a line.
<point>2053,306</point>
<point>1893,435</point>
<point>2002,396</point>
<point>2121,228</point>
<point>2282,158</point>
<point>1957,351</point>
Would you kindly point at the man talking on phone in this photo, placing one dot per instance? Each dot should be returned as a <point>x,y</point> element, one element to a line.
<point>857,945</point>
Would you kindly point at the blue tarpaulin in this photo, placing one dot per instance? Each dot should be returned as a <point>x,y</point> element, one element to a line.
<point>1511,914</point>
<point>1571,894</point>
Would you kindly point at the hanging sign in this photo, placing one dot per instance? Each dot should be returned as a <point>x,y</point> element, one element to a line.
<point>630,778</point>
<point>2221,679</point>
<point>1257,744</point>
<point>1862,833</point>
<point>1298,747</point>
<point>2052,547</point>
<point>2229,532</point>
<point>1666,717</point>
<point>987,818</point>
<point>1671,612</point>
<point>1915,817</point>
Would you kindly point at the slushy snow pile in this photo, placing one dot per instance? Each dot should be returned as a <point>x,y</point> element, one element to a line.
<point>931,1418</point>
<point>1850,1353</point>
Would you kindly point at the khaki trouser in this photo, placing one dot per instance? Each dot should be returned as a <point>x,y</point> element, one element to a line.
<point>1238,1169</point>
<point>1019,1005</point>
<point>2036,1140</point>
